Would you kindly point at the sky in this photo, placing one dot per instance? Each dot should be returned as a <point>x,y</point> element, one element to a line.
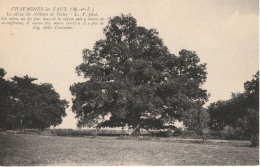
<point>224,34</point>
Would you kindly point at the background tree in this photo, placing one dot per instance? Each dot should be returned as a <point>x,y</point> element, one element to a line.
<point>252,92</point>
<point>6,91</point>
<point>24,104</point>
<point>252,126</point>
<point>196,120</point>
<point>229,112</point>
<point>133,78</point>
<point>36,105</point>
<point>241,111</point>
<point>252,118</point>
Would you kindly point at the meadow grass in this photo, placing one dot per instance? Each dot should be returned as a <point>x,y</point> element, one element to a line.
<point>24,149</point>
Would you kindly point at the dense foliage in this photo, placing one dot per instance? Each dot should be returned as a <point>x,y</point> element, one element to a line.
<point>30,105</point>
<point>6,90</point>
<point>241,112</point>
<point>196,121</point>
<point>134,80</point>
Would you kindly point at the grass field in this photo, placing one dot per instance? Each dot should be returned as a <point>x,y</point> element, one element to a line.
<point>21,149</point>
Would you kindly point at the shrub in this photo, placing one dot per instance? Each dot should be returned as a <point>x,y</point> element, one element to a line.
<point>62,132</point>
<point>31,131</point>
<point>167,133</point>
<point>71,132</point>
<point>189,135</point>
<point>254,140</point>
<point>140,137</point>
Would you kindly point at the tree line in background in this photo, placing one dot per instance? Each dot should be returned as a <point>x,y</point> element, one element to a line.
<point>238,117</point>
<point>133,80</point>
<point>24,104</point>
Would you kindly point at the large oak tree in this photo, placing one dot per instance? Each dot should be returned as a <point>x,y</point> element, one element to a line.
<point>133,78</point>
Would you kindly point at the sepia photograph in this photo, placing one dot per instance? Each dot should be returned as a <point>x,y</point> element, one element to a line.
<point>129,83</point>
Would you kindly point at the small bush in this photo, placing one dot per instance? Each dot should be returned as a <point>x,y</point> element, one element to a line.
<point>31,131</point>
<point>254,140</point>
<point>62,132</point>
<point>71,132</point>
<point>140,137</point>
<point>46,132</point>
<point>93,134</point>
<point>177,132</point>
<point>167,133</point>
<point>189,135</point>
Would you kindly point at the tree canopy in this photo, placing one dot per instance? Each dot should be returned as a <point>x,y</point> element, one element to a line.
<point>196,121</point>
<point>30,105</point>
<point>134,79</point>
<point>6,91</point>
<point>232,111</point>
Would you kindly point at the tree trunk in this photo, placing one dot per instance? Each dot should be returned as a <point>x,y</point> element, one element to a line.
<point>136,130</point>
